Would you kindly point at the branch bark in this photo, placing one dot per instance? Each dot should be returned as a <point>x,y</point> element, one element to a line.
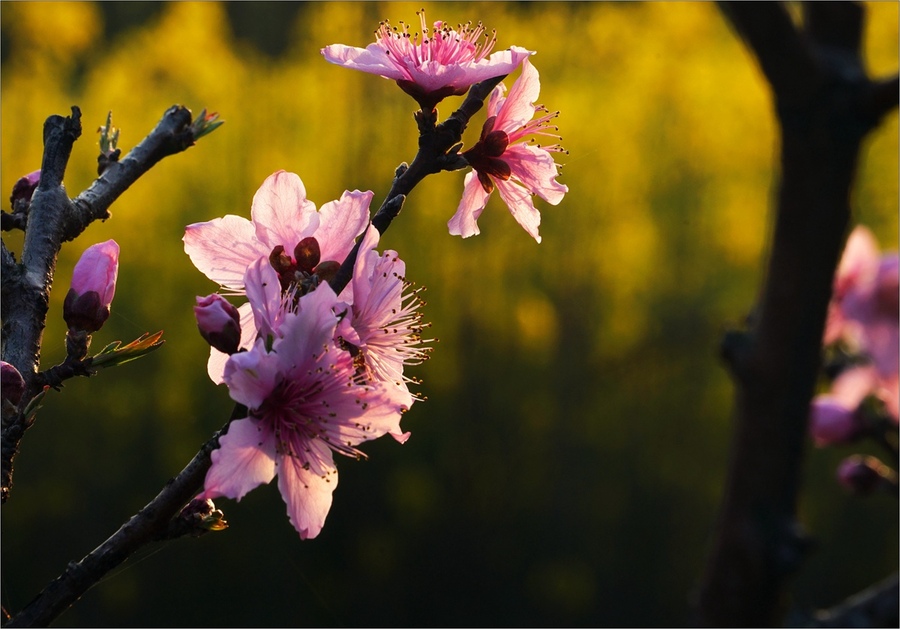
<point>144,527</point>
<point>825,106</point>
<point>434,143</point>
<point>52,220</point>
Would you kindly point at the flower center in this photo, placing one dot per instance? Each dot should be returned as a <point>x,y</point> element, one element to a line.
<point>485,155</point>
<point>304,269</point>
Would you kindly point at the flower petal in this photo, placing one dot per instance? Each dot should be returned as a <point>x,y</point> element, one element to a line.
<point>372,59</point>
<point>535,168</point>
<point>521,206</point>
<point>244,460</point>
<point>518,109</point>
<point>464,222</point>
<point>307,492</point>
<point>251,376</point>
<point>223,248</point>
<point>340,222</point>
<point>281,213</point>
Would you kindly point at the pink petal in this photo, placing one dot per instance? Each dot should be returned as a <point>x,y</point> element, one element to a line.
<point>223,248</point>
<point>244,460</point>
<point>310,332</point>
<point>281,213</point>
<point>464,222</point>
<point>264,294</point>
<point>852,385</point>
<point>251,376</point>
<point>215,366</point>
<point>372,59</point>
<point>308,492</point>
<point>371,411</point>
<point>340,222</point>
<point>535,168</point>
<point>97,270</point>
<point>859,263</point>
<point>519,106</point>
<point>521,206</point>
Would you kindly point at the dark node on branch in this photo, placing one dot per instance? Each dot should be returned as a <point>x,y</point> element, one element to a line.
<point>734,348</point>
<point>16,220</point>
<point>388,213</point>
<point>793,546</point>
<point>104,161</point>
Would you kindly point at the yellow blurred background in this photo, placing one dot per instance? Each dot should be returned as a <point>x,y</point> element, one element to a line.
<point>567,464</point>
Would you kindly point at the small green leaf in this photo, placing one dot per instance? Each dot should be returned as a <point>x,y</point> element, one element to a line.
<point>114,354</point>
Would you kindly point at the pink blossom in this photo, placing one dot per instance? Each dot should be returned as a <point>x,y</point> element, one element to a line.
<point>430,67</point>
<point>285,225</point>
<point>304,404</point>
<point>864,308</point>
<point>502,157</point>
<point>383,327</point>
<point>834,416</point>
<point>86,306</point>
<point>12,385</point>
<point>24,188</point>
<point>219,323</point>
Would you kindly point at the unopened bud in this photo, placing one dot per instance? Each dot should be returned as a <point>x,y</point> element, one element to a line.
<point>86,306</point>
<point>832,423</point>
<point>12,385</point>
<point>219,323</point>
<point>866,474</point>
<point>24,188</point>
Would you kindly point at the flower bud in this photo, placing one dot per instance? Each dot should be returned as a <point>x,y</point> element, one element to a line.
<point>831,422</point>
<point>86,306</point>
<point>865,474</point>
<point>24,188</point>
<point>12,385</point>
<point>219,323</point>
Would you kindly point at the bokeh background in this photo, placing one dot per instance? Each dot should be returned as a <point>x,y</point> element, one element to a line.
<point>567,464</point>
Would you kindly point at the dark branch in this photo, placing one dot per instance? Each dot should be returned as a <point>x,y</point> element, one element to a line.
<point>152,522</point>
<point>783,56</point>
<point>434,144</point>
<point>876,606</point>
<point>53,219</point>
<point>823,101</point>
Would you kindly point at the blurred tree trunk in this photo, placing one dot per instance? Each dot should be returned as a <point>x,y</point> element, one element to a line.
<point>825,106</point>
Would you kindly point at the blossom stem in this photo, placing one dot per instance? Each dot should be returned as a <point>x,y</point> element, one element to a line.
<point>434,155</point>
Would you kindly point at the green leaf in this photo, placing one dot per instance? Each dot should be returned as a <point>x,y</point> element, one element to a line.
<point>114,354</point>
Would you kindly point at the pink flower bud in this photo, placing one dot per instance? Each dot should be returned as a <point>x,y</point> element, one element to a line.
<point>865,474</point>
<point>219,323</point>
<point>86,306</point>
<point>831,422</point>
<point>24,188</point>
<point>12,386</point>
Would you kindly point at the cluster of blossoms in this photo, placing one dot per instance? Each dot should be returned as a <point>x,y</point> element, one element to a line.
<point>318,373</point>
<point>448,62</point>
<point>864,320</point>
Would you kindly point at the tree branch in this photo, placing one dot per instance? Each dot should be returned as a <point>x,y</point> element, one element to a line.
<point>876,606</point>
<point>822,97</point>
<point>435,141</point>
<point>149,524</point>
<point>53,219</point>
